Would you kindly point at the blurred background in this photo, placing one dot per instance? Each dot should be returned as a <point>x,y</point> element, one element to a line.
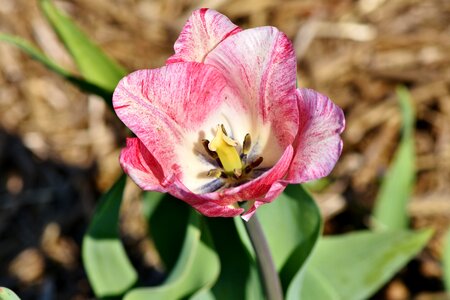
<point>59,147</point>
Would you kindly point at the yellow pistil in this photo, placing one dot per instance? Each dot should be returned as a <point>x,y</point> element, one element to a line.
<point>225,147</point>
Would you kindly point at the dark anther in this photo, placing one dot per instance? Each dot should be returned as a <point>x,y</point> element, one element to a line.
<point>253,165</point>
<point>213,154</point>
<point>256,162</point>
<point>247,144</point>
<point>223,129</point>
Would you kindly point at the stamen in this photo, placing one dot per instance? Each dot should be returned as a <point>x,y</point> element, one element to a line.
<point>247,144</point>
<point>253,165</point>
<point>224,146</point>
<point>256,162</point>
<point>215,173</point>
<point>205,144</point>
<point>232,165</point>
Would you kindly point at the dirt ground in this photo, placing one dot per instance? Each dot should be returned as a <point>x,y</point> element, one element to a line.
<point>59,147</point>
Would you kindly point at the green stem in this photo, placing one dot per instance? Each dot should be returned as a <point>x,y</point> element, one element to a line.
<point>268,273</point>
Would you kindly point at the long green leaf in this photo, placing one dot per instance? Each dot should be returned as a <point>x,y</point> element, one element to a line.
<point>168,218</point>
<point>446,261</point>
<point>36,54</point>
<point>92,62</point>
<point>107,265</point>
<point>239,277</point>
<point>197,267</point>
<point>316,286</point>
<point>353,266</point>
<point>391,204</point>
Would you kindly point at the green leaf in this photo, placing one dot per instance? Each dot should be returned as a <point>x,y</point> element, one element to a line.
<point>354,266</point>
<point>317,287</point>
<point>292,224</point>
<point>390,209</point>
<point>168,218</point>
<point>239,278</point>
<point>203,295</point>
<point>36,54</point>
<point>197,267</point>
<point>107,265</point>
<point>7,294</point>
<point>92,62</point>
<point>446,261</point>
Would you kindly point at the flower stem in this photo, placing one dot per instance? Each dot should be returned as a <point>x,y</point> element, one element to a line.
<point>268,273</point>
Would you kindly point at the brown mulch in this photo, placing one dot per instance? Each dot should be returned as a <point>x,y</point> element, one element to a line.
<point>59,147</point>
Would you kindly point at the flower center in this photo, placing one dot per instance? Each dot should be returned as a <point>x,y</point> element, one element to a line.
<point>225,147</point>
<point>233,164</point>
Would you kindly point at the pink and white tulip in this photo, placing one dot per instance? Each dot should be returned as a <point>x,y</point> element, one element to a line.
<point>223,121</point>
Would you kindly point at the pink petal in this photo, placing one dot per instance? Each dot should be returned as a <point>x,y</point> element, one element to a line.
<point>145,171</point>
<point>260,65</point>
<point>203,204</point>
<point>160,105</point>
<point>318,144</point>
<point>141,166</point>
<point>204,30</point>
<point>275,190</point>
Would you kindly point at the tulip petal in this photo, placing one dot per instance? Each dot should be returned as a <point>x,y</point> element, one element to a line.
<point>141,166</point>
<point>203,204</point>
<point>160,105</point>
<point>145,171</point>
<point>275,190</point>
<point>318,144</point>
<point>260,65</point>
<point>204,30</point>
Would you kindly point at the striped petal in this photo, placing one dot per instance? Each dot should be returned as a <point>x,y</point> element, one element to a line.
<point>260,66</point>
<point>318,144</point>
<point>146,172</point>
<point>141,166</point>
<point>204,30</point>
<point>163,106</point>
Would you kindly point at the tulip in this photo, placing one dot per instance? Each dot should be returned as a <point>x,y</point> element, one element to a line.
<point>223,126</point>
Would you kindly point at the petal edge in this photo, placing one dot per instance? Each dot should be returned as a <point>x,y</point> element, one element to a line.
<point>318,144</point>
<point>204,30</point>
<point>141,166</point>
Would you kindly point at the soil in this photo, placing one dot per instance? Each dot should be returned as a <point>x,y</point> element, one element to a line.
<point>59,147</point>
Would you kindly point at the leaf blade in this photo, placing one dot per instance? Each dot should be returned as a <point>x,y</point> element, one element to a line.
<point>293,212</point>
<point>446,261</point>
<point>107,266</point>
<point>239,278</point>
<point>390,209</point>
<point>292,224</point>
<point>359,263</point>
<point>37,55</point>
<point>7,294</point>
<point>197,267</point>
<point>93,64</point>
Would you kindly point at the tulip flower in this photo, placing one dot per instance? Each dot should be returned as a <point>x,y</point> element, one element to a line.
<point>223,124</point>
